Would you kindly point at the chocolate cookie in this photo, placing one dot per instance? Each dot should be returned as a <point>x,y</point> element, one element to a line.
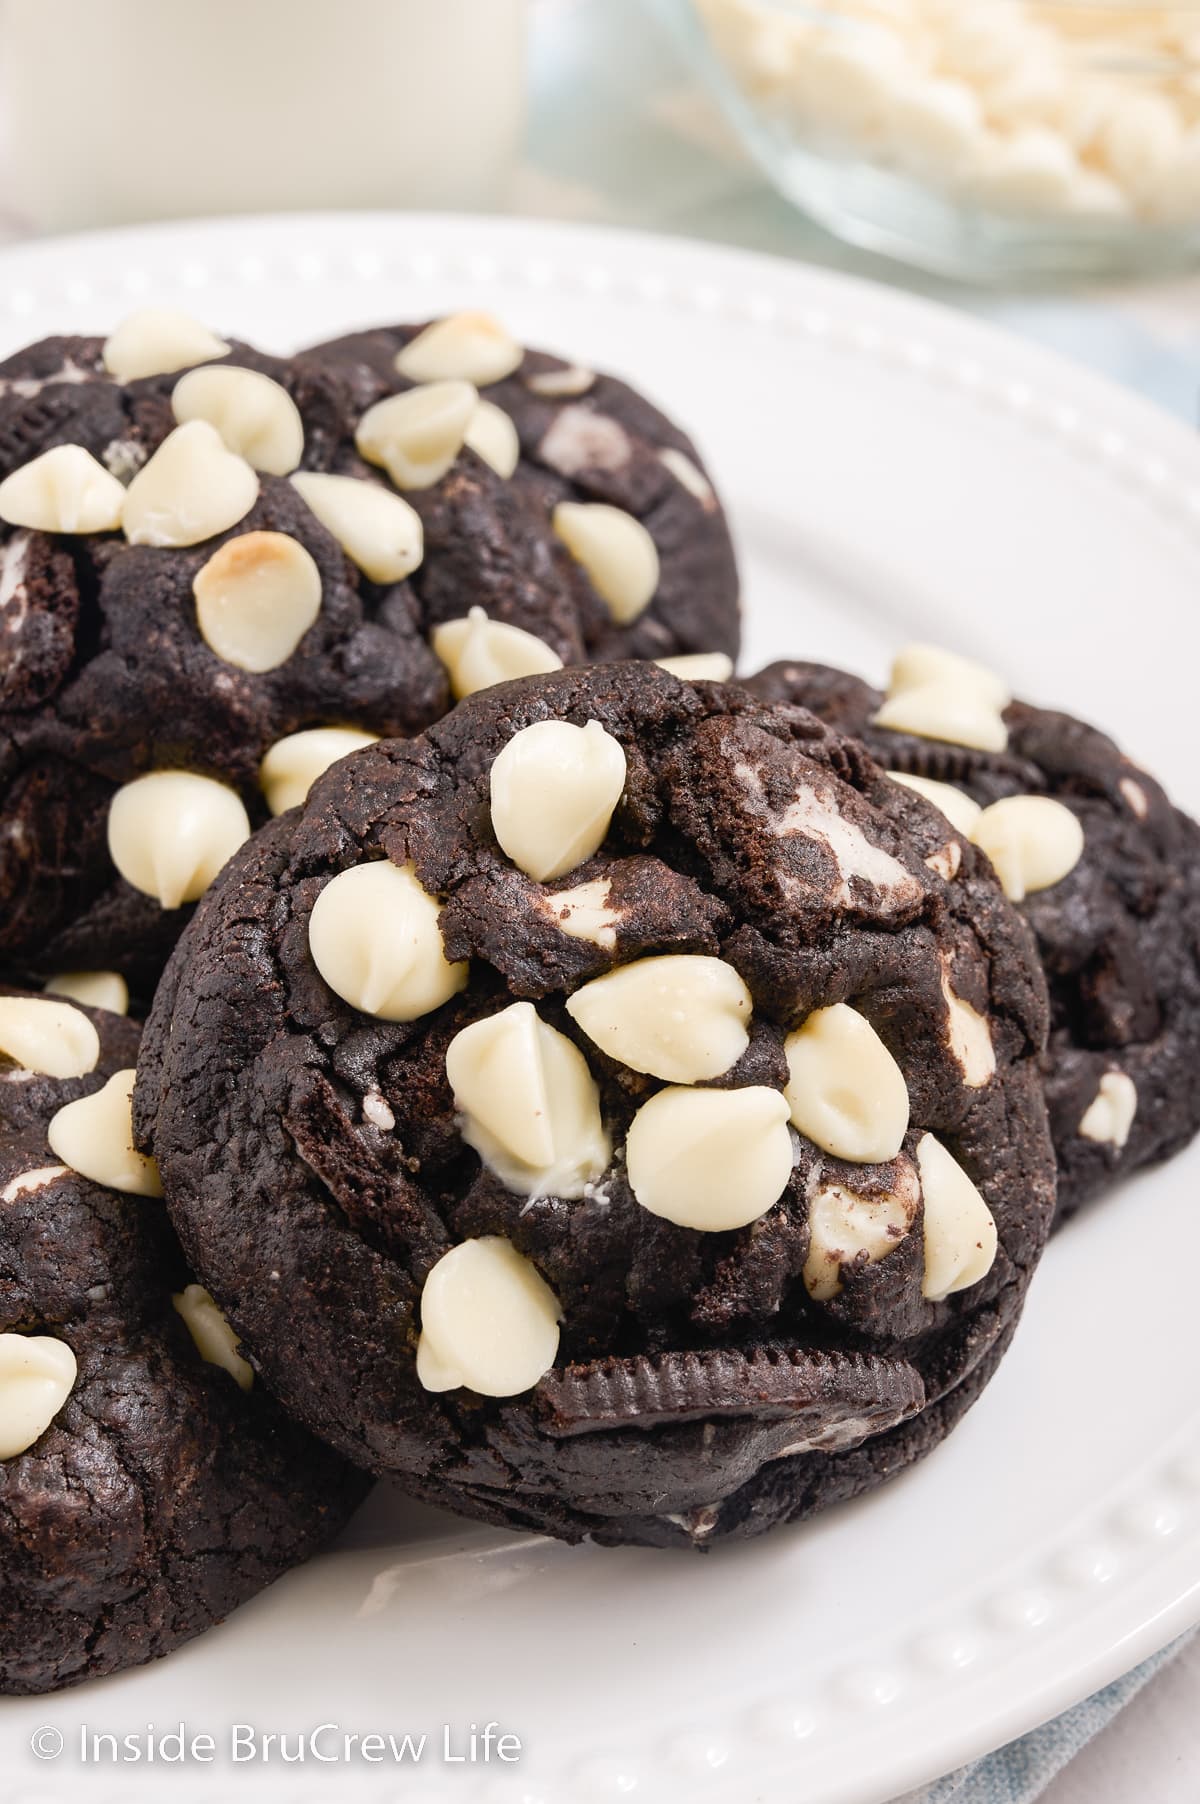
<point>148,1485</point>
<point>624,1095</point>
<point>1106,871</point>
<point>223,619</point>
<point>586,518</point>
<point>200,576</point>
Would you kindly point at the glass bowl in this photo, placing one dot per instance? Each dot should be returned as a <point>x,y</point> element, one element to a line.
<point>984,139</point>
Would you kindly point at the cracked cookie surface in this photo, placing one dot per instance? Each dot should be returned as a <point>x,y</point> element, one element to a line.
<point>1118,934</point>
<point>160,1495</point>
<point>692,1363</point>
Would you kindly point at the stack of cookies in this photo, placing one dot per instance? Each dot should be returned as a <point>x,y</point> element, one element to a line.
<point>613,1099</point>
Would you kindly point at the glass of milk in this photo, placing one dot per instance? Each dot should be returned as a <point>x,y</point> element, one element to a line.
<point>119,110</point>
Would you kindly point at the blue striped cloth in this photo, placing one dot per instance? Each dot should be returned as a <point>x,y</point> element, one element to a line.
<point>1022,1771</point>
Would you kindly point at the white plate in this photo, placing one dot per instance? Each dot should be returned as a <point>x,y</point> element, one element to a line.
<point>894,471</point>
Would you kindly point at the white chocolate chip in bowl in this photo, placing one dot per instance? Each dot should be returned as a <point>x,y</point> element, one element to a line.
<point>254,414</point>
<point>292,765</point>
<point>95,989</point>
<point>530,1106</point>
<point>416,436</point>
<point>51,1038</point>
<point>845,1227</point>
<point>214,1339</point>
<point>616,550</point>
<point>465,347</point>
<point>1109,1117</point>
<point>489,1321</point>
<point>376,529</point>
<point>478,652</point>
<point>1033,842</point>
<point>845,1091</point>
<point>698,666</point>
<point>256,597</point>
<point>94,1136</point>
<point>64,490</point>
<point>37,1375</point>
<point>191,489</point>
<point>681,1017</point>
<point>710,1159</point>
<point>156,341</point>
<point>375,937</point>
<point>170,832</point>
<point>492,435</point>
<point>960,809</point>
<point>554,788</point>
<point>960,1234</point>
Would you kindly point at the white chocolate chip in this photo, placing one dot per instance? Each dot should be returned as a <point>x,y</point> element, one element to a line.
<point>37,1375</point>
<point>375,937</point>
<point>846,1228</point>
<point>845,1090</point>
<point>554,787</point>
<point>416,436</point>
<point>1135,796</point>
<point>529,1105</point>
<point>378,1112</point>
<point>940,713</point>
<point>699,666</point>
<point>939,695</point>
<point>94,1136</point>
<point>917,666</point>
<point>710,1159</point>
<point>960,1234</point>
<point>215,1340</point>
<point>256,597</point>
<point>946,861</point>
<point>63,490</point>
<point>688,476</point>
<point>191,489</point>
<point>478,652</point>
<point>1033,841</point>
<point>27,1183</point>
<point>582,439</point>
<point>95,989</point>
<point>970,1038</point>
<point>816,813</point>
<point>1109,1116</point>
<point>156,341</point>
<point>617,552</point>
<point>51,1038</point>
<point>377,530</point>
<point>584,913</point>
<point>489,1321</point>
<point>466,347</point>
<point>1141,141</point>
<point>572,380</point>
<point>170,832</point>
<point>681,1017</point>
<point>492,436</point>
<point>255,415</point>
<point>960,809</point>
<point>292,765</point>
